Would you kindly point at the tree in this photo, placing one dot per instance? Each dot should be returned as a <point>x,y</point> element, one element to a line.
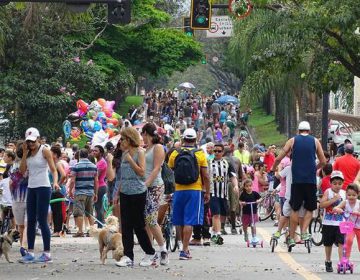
<point>66,56</point>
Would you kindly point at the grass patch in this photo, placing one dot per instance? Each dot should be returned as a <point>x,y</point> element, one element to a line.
<point>265,128</point>
<point>136,100</point>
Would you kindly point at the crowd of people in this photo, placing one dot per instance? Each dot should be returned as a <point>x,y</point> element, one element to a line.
<point>217,180</point>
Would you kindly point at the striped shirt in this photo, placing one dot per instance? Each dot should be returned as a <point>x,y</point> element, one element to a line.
<point>220,171</point>
<point>85,172</point>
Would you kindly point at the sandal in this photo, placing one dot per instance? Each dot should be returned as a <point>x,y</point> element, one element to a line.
<point>79,234</point>
<point>55,234</point>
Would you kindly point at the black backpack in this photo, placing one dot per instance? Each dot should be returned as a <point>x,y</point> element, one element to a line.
<point>186,169</point>
<point>167,175</point>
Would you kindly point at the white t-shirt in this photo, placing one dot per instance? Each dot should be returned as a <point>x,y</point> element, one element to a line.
<point>6,199</point>
<point>287,174</point>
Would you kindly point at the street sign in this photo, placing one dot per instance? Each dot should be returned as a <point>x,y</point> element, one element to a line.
<point>221,26</point>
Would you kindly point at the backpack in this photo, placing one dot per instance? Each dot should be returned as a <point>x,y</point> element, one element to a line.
<point>167,175</point>
<point>186,169</point>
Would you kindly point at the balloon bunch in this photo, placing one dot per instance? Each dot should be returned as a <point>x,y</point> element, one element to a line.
<point>98,116</point>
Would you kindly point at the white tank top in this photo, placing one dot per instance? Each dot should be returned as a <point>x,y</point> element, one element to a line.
<point>356,208</point>
<point>331,218</point>
<point>38,170</point>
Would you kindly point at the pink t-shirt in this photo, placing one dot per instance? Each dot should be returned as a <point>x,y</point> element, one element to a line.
<point>101,167</point>
<point>255,185</point>
<point>284,162</point>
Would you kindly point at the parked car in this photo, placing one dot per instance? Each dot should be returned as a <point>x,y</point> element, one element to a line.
<point>341,133</point>
<point>355,137</point>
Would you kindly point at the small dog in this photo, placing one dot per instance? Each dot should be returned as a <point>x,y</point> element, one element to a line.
<point>109,239</point>
<point>6,242</point>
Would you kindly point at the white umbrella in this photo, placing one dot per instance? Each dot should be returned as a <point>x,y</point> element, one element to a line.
<point>187,85</point>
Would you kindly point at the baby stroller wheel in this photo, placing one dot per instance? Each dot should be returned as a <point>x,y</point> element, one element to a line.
<point>262,244</point>
<point>289,249</point>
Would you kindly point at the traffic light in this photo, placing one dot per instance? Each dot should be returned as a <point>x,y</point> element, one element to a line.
<point>200,14</point>
<point>187,28</point>
<point>204,60</point>
<point>119,12</point>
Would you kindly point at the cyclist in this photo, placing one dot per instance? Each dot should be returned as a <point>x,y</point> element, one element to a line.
<point>305,148</point>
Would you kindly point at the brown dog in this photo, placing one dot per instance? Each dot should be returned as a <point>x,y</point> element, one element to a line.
<point>109,239</point>
<point>6,242</point>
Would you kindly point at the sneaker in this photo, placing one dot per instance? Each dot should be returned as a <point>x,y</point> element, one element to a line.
<point>23,251</point>
<point>206,242</point>
<point>291,243</point>
<point>305,236</point>
<point>277,235</point>
<point>328,266</point>
<point>224,232</point>
<point>28,258</point>
<point>234,231</point>
<point>185,255</point>
<point>214,238</point>
<point>148,260</point>
<point>124,262</point>
<point>164,258</point>
<point>220,240</point>
<point>44,258</point>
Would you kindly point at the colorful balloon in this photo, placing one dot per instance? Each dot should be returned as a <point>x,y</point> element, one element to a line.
<point>102,102</point>
<point>82,107</point>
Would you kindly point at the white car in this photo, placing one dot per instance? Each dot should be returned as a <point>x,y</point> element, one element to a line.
<point>341,133</point>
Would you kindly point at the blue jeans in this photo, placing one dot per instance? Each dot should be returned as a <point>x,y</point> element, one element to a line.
<point>99,206</point>
<point>37,208</point>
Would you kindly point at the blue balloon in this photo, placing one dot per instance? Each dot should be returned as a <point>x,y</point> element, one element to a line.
<point>97,126</point>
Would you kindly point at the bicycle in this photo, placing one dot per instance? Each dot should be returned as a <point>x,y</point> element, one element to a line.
<point>315,227</point>
<point>266,207</point>
<point>170,232</point>
<point>274,241</point>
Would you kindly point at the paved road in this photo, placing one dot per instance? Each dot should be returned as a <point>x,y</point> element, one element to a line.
<point>79,259</point>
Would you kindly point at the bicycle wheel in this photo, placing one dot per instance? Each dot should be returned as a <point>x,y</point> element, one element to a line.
<point>315,228</point>
<point>173,238</point>
<point>5,225</point>
<point>266,208</point>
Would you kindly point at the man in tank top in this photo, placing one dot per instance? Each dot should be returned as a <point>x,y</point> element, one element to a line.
<point>304,149</point>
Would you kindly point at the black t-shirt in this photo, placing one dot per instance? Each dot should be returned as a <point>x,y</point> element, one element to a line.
<point>252,197</point>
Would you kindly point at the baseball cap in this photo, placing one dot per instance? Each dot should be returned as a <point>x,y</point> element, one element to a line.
<point>32,134</point>
<point>304,125</point>
<point>349,148</point>
<point>189,134</point>
<point>337,174</point>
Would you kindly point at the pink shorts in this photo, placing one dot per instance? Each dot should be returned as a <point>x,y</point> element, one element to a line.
<point>246,219</point>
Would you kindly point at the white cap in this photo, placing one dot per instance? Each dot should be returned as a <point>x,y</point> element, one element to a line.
<point>337,174</point>
<point>32,134</point>
<point>189,134</point>
<point>304,125</point>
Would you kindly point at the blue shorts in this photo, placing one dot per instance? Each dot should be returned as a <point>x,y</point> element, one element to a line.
<point>188,208</point>
<point>219,206</point>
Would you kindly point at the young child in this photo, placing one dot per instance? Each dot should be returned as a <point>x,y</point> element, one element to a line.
<point>248,195</point>
<point>331,220</point>
<point>351,205</point>
<point>326,174</point>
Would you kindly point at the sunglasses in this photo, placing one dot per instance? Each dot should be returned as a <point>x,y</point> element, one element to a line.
<point>218,151</point>
<point>29,141</point>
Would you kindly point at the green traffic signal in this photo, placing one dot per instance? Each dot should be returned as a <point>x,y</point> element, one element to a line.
<point>203,60</point>
<point>189,33</point>
<point>201,19</point>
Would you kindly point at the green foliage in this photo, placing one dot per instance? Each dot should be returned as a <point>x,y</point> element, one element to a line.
<point>265,128</point>
<point>283,45</point>
<point>129,101</point>
<point>39,43</point>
